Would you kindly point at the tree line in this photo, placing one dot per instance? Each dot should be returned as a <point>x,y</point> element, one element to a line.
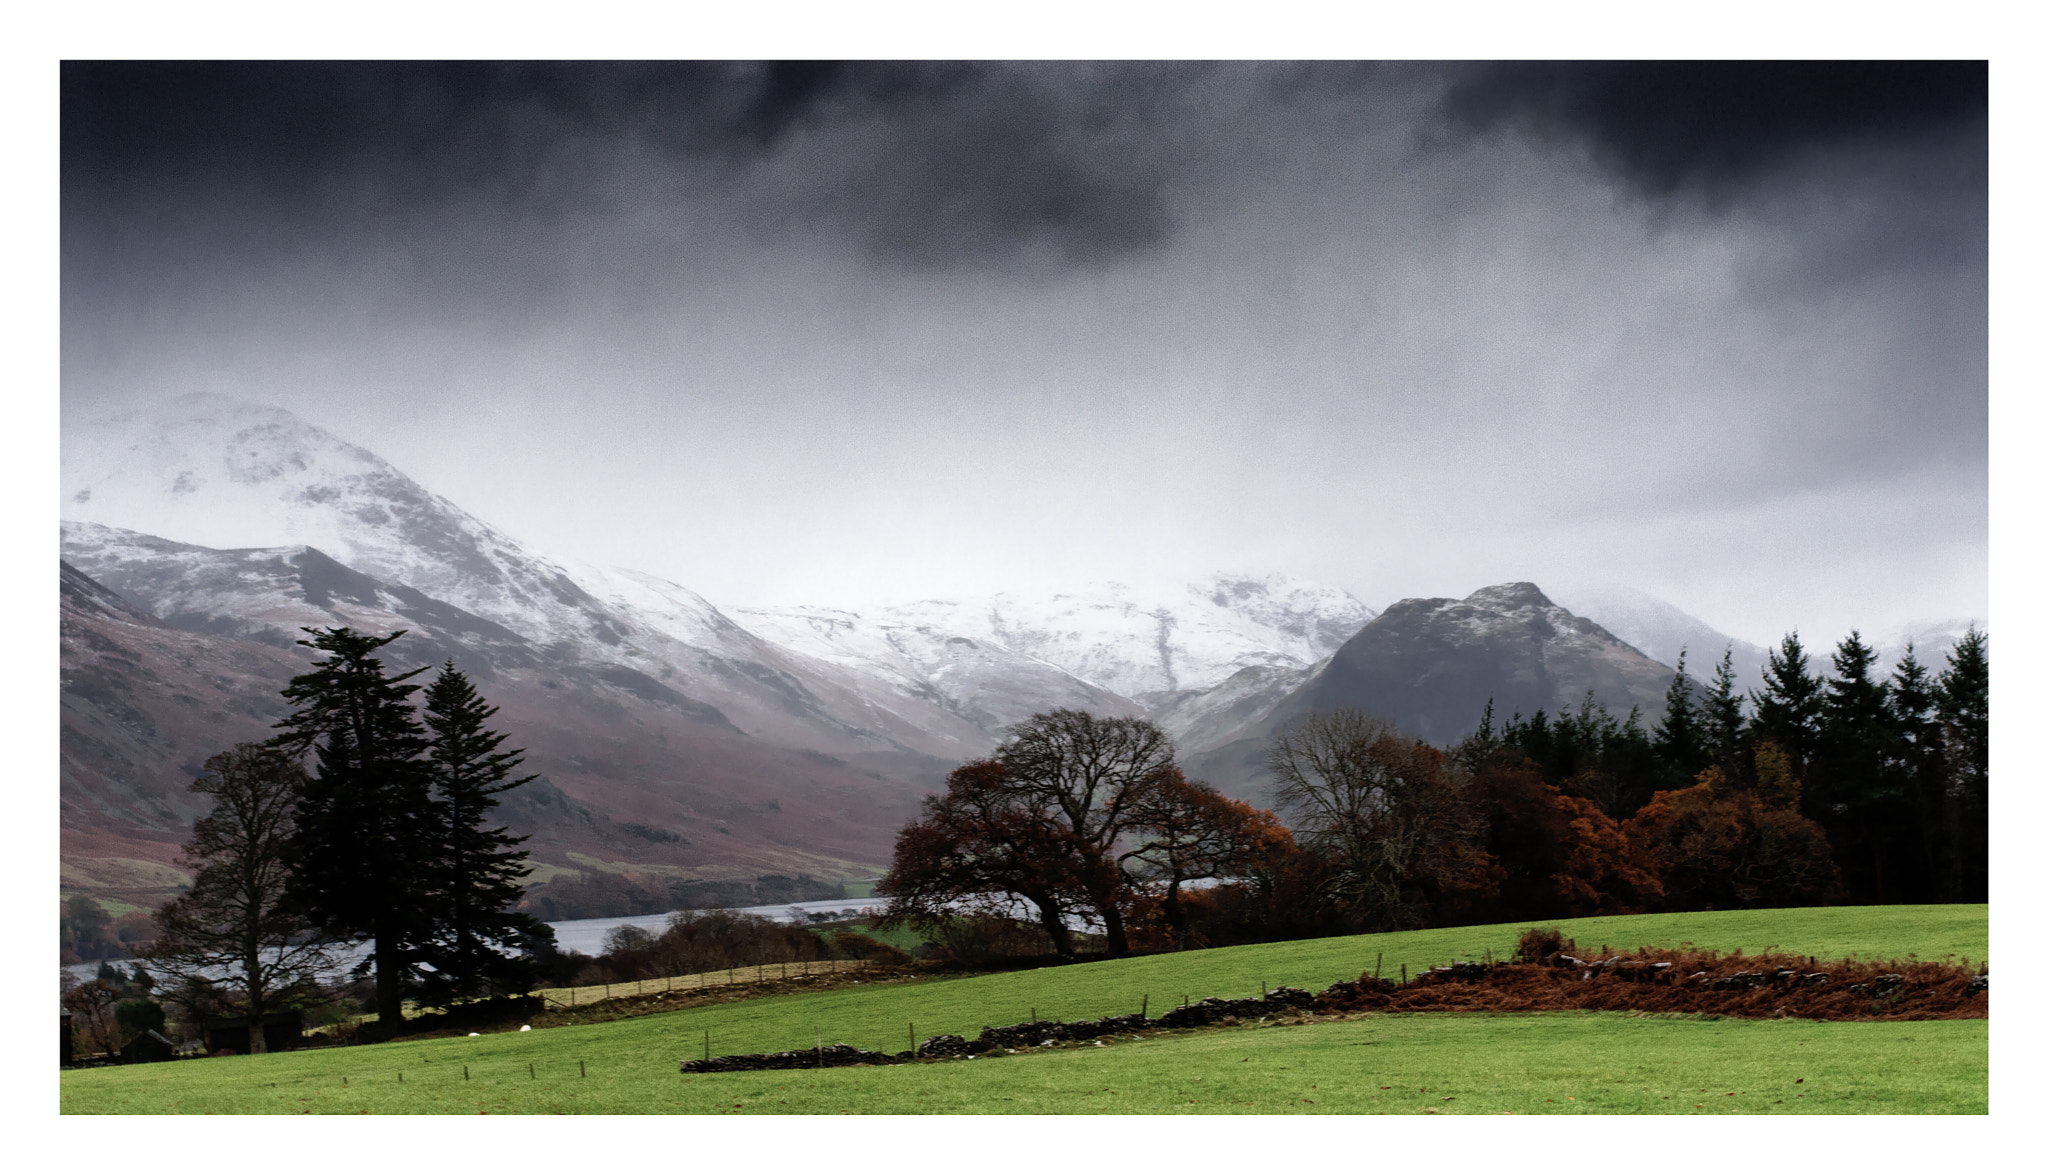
<point>365,820</point>
<point>1810,790</point>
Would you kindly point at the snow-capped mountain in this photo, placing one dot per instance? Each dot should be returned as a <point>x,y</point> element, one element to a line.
<point>219,474</point>
<point>1138,643</point>
<point>986,684</point>
<point>1931,640</point>
<point>1430,665</point>
<point>215,472</point>
<point>1107,647</point>
<point>1659,630</point>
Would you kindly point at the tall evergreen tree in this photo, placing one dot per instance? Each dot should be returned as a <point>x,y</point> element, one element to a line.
<point>1962,704</point>
<point>1918,766</point>
<point>1788,705</point>
<point>480,944</point>
<point>1680,737</point>
<point>1721,722</point>
<point>1850,790</point>
<point>365,818</point>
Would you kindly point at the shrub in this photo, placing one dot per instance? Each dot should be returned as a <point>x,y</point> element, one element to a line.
<point>139,1016</point>
<point>1536,945</point>
<point>859,946</point>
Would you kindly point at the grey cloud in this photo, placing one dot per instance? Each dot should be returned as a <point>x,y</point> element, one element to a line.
<point>1714,127</point>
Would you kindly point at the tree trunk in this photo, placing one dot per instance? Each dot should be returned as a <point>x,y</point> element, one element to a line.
<point>1056,929</point>
<point>1113,929</point>
<point>1176,915</point>
<point>390,1007</point>
<point>252,975</point>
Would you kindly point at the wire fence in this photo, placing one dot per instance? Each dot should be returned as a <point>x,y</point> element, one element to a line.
<point>576,997</point>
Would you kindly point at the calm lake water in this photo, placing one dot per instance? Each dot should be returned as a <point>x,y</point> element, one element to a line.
<point>586,935</point>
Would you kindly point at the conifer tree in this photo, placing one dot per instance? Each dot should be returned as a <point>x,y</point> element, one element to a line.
<point>1679,738</point>
<point>1721,721</point>
<point>365,819</point>
<point>1850,787</point>
<point>1918,766</point>
<point>477,869</point>
<point>1788,705</point>
<point>1962,704</point>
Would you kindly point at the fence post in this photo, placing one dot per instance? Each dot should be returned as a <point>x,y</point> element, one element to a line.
<point>913,1038</point>
<point>1144,1004</point>
<point>1376,960</point>
<point>821,1044</point>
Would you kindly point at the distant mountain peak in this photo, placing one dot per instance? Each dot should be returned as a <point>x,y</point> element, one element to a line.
<point>1508,597</point>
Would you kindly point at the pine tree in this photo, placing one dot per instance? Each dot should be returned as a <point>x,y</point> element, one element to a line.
<point>1918,767</point>
<point>1680,740</point>
<point>1721,721</point>
<point>1788,706</point>
<point>477,870</point>
<point>365,819</point>
<point>1962,704</point>
<point>1850,789</point>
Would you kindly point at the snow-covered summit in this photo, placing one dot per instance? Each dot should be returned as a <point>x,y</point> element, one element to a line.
<point>216,472</point>
<point>1129,641</point>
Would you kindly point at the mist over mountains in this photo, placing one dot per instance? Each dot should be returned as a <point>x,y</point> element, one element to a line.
<point>676,739</point>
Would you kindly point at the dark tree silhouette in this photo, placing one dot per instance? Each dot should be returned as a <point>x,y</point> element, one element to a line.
<point>1787,708</point>
<point>1962,704</point>
<point>480,945</point>
<point>236,928</point>
<point>1389,812</point>
<point>1188,831</point>
<point>1680,738</point>
<point>1091,776</point>
<point>1721,722</point>
<point>981,844</point>
<point>366,821</point>
<point>1851,788</point>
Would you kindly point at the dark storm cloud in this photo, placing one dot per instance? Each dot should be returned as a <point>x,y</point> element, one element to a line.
<point>912,319</point>
<point>1715,127</point>
<point>931,166</point>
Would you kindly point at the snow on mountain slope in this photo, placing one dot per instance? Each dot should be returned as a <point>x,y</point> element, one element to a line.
<point>987,685</point>
<point>221,474</point>
<point>215,472</point>
<point>1932,641</point>
<point>1137,643</point>
<point>1108,648</point>
<point>1659,629</point>
<point>1430,665</point>
<point>1202,720</point>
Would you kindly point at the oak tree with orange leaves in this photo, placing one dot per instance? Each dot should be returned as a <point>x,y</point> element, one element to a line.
<point>1719,848</point>
<point>1188,831</point>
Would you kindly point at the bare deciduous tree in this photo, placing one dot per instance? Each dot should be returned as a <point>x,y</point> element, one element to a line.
<point>235,928</point>
<point>1093,775</point>
<point>1387,810</point>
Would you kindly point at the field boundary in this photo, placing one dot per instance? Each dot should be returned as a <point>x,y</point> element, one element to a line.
<point>596,993</point>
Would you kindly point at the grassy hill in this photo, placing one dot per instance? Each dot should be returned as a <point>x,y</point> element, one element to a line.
<point>1532,1063</point>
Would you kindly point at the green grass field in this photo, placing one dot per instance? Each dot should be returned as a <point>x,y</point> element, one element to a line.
<point>1551,1063</point>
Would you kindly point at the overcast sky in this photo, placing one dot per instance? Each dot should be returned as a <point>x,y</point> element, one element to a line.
<point>838,334</point>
